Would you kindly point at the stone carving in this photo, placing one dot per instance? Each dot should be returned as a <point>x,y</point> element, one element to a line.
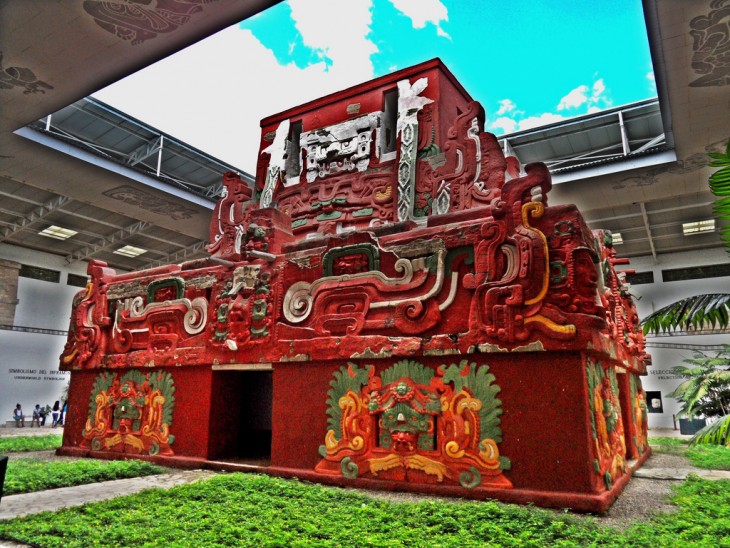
<point>342,147</point>
<point>606,423</point>
<point>389,261</point>
<point>131,413</point>
<point>410,102</point>
<point>413,424</point>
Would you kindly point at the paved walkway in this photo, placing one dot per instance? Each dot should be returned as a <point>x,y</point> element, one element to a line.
<point>54,499</point>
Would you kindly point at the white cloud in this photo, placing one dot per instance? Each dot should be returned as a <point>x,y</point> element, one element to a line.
<point>598,89</point>
<point>345,43</point>
<point>652,81</point>
<point>579,97</point>
<point>215,102</point>
<point>575,98</point>
<point>507,125</point>
<point>421,12</point>
<point>505,105</point>
<point>542,120</point>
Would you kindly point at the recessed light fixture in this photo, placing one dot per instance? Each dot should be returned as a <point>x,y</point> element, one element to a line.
<point>698,227</point>
<point>130,251</point>
<point>617,238</point>
<point>57,232</point>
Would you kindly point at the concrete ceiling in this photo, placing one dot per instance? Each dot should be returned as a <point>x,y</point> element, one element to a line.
<point>56,53</point>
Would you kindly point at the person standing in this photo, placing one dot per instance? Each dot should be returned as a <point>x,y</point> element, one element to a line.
<point>64,409</point>
<point>55,411</point>
<point>19,416</point>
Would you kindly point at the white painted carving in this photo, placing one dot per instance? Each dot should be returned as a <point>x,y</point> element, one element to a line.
<point>341,147</point>
<point>409,104</point>
<point>277,163</point>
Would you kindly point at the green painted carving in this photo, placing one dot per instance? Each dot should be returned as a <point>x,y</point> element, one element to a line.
<point>366,212</point>
<point>455,252</point>
<point>480,382</point>
<point>131,411</point>
<point>606,423</point>
<point>349,468</point>
<point>177,283</point>
<point>417,372</point>
<point>558,272</point>
<point>470,479</point>
<point>330,216</point>
<point>349,377</point>
<point>298,223</point>
<point>102,384</point>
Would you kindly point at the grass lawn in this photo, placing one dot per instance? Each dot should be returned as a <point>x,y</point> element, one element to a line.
<point>712,457</point>
<point>30,443</point>
<point>255,510</point>
<point>25,475</point>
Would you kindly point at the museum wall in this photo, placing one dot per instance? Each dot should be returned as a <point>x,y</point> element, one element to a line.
<point>29,359</point>
<point>652,296</point>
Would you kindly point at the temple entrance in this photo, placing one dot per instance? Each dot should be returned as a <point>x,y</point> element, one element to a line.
<point>240,422</point>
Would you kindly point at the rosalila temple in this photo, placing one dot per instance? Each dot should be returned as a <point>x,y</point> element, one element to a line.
<point>393,305</point>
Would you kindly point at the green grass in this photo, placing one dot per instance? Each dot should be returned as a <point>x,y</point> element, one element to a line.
<point>254,510</point>
<point>713,457</point>
<point>668,442</point>
<point>30,443</point>
<point>28,475</point>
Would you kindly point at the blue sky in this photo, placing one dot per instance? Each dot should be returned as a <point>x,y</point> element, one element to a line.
<point>529,62</point>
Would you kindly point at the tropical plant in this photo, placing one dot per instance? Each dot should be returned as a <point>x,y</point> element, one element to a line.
<point>720,187</point>
<point>706,392</point>
<point>709,310</point>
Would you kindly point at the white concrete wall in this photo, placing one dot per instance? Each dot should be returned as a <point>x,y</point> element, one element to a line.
<point>29,371</point>
<point>29,361</point>
<point>657,295</point>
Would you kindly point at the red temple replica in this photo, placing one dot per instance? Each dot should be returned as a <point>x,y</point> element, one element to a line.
<point>393,306</point>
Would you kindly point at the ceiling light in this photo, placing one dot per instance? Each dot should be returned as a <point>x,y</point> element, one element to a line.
<point>130,251</point>
<point>617,238</point>
<point>698,227</point>
<point>57,232</point>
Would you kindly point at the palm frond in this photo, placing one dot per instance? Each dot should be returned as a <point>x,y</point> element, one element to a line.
<point>710,310</point>
<point>715,433</point>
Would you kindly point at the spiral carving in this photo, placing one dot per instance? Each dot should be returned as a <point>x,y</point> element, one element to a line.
<point>349,468</point>
<point>197,316</point>
<point>298,302</point>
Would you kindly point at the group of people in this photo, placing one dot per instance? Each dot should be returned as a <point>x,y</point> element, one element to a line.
<point>58,412</point>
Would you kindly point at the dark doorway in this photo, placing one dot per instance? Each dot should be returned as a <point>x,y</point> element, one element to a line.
<point>240,422</point>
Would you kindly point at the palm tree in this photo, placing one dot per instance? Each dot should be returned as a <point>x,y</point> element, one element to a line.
<point>706,392</point>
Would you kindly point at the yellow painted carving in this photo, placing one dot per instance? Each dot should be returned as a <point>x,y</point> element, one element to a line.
<point>551,325</point>
<point>466,402</point>
<point>330,442</point>
<point>385,463</point>
<point>350,402</point>
<point>537,209</point>
<point>134,441</point>
<point>382,196</point>
<point>453,450</point>
<point>430,466</point>
<point>71,357</point>
<point>114,440</point>
<point>489,454</point>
